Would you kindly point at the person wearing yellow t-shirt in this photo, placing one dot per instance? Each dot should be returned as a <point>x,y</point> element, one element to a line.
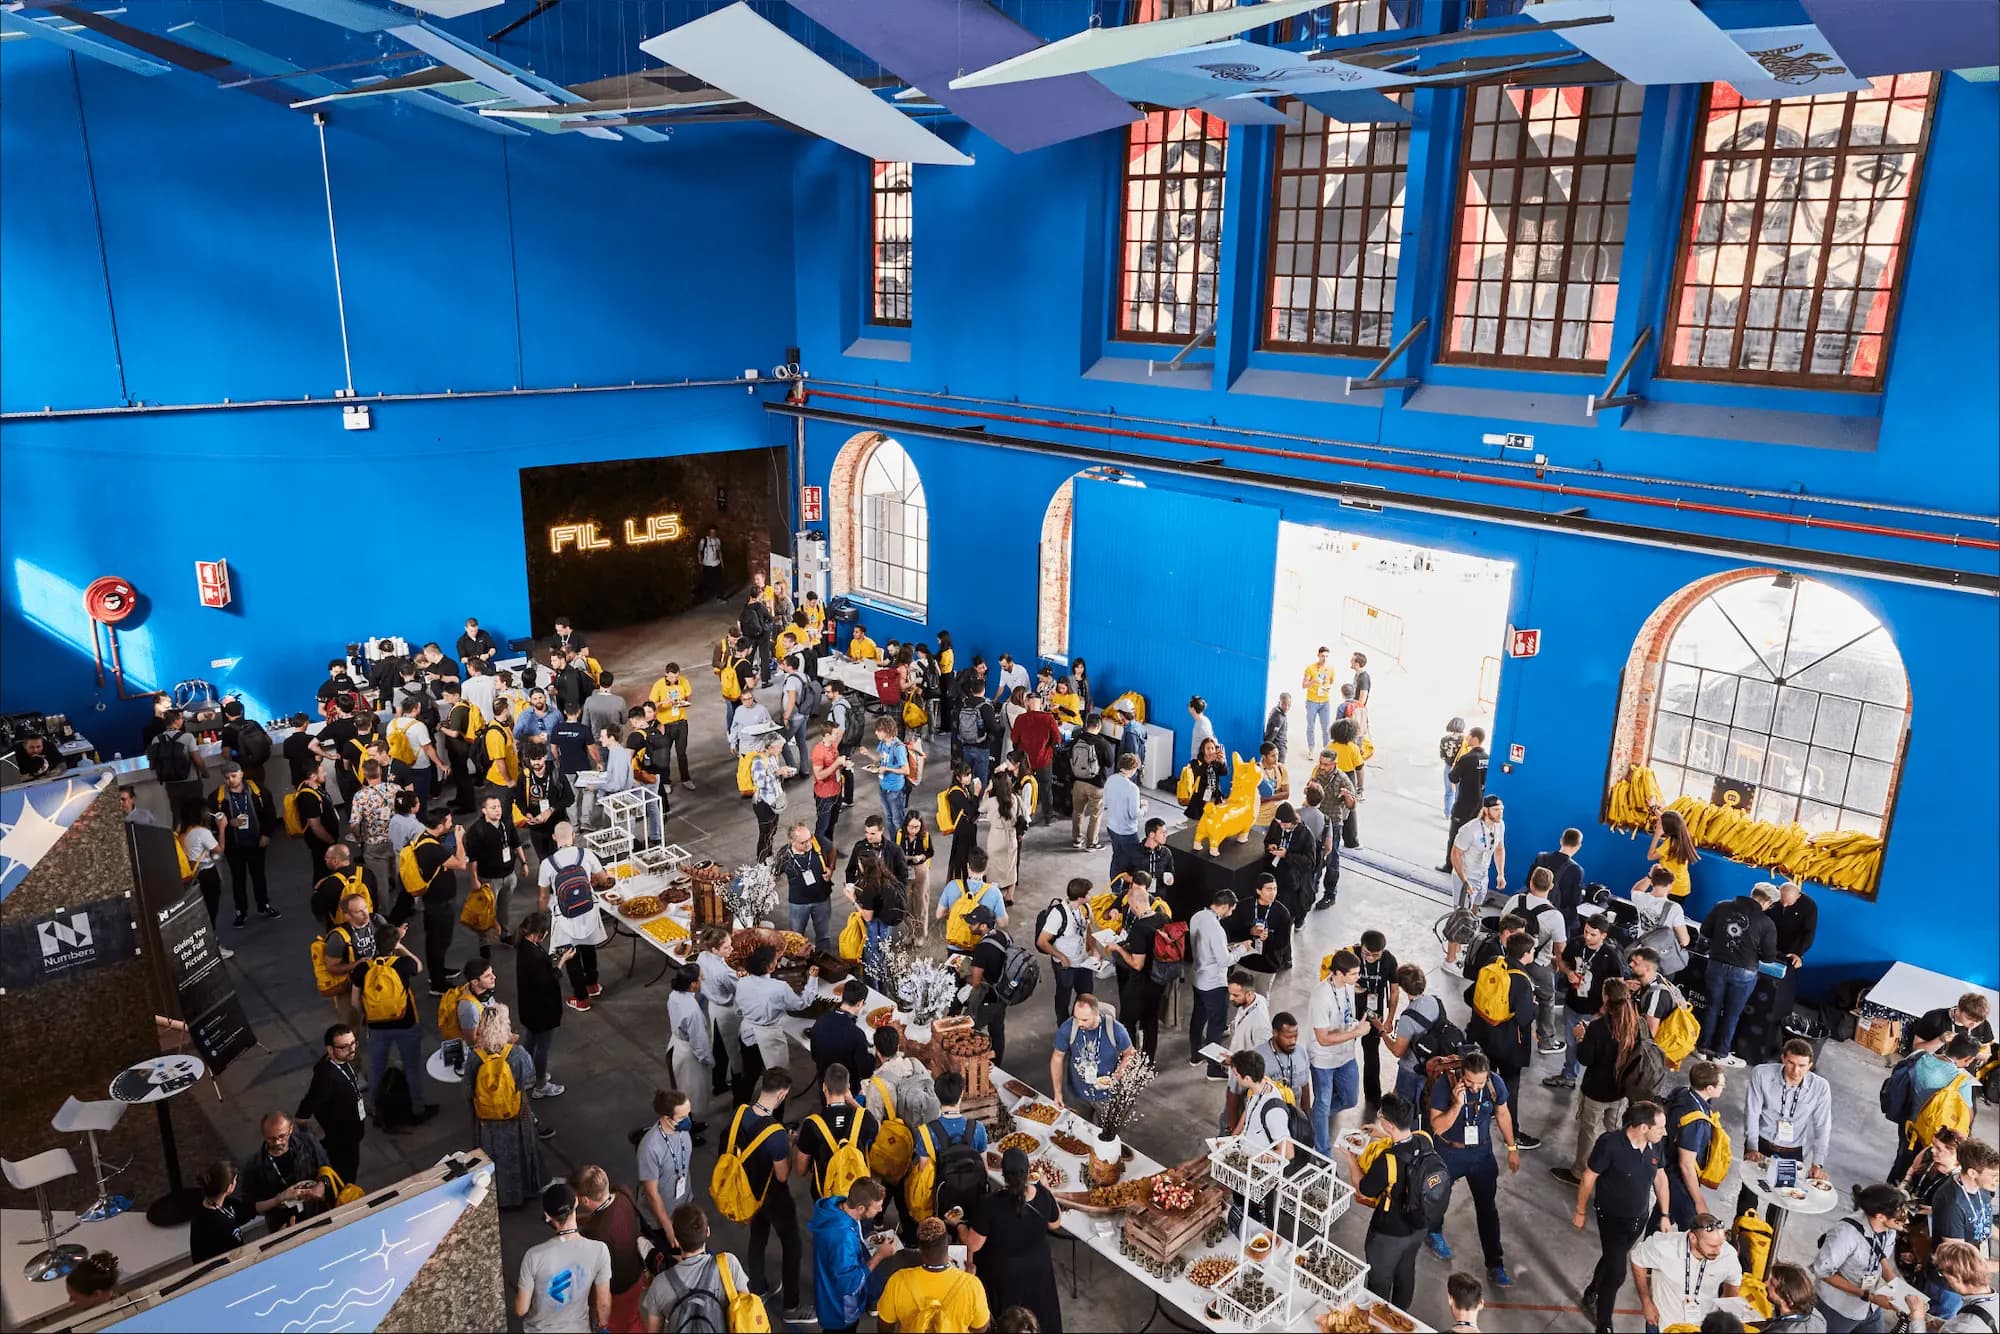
<point>1066,704</point>
<point>797,636</point>
<point>1318,682</point>
<point>503,761</point>
<point>934,1281</point>
<point>670,695</point>
<point>815,611</point>
<point>861,648</point>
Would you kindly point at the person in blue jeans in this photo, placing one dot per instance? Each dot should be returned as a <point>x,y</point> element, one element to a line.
<point>1337,1024</point>
<point>1465,1110</point>
<point>402,1032</point>
<point>892,763</point>
<point>1740,936</point>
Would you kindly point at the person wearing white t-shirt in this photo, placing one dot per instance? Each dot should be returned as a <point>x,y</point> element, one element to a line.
<point>572,924</point>
<point>1480,846</point>
<point>1682,1275</point>
<point>1337,1023</point>
<point>204,854</point>
<point>1065,937</point>
<point>480,687</point>
<point>1662,921</point>
<point>1551,933</point>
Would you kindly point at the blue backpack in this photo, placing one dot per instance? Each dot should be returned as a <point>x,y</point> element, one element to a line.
<point>1898,1090</point>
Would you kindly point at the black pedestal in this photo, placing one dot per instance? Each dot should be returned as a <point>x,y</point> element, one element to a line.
<point>1197,875</point>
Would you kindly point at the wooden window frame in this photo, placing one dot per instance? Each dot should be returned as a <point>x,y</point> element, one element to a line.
<point>879,224</point>
<point>1579,159</point>
<point>1183,126</point>
<point>1700,164</point>
<point>1397,171</point>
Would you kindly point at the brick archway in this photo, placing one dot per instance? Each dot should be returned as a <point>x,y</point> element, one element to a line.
<point>843,508</point>
<point>1052,603</point>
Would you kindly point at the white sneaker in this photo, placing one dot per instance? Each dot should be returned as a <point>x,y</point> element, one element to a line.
<point>548,1088</point>
<point>1733,1061</point>
<point>226,952</point>
<point>1076,844</point>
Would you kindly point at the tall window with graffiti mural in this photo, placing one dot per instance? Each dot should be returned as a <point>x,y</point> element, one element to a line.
<point>889,258</point>
<point>1336,232</point>
<point>1797,227</point>
<point>1541,225</point>
<point>1170,234</point>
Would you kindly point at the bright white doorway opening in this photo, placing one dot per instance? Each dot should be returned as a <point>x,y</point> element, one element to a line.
<point>1432,624</point>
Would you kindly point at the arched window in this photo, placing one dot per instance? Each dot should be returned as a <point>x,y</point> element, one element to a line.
<point>1781,688</point>
<point>1052,612</point>
<point>881,536</point>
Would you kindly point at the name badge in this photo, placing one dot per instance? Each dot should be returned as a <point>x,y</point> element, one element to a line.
<point>1785,1135</point>
<point>243,822</point>
<point>1374,1004</point>
<point>1471,1134</point>
<point>360,1108</point>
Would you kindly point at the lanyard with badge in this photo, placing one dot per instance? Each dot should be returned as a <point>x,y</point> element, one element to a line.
<point>1475,1118</point>
<point>1787,1112</point>
<point>1692,1279</point>
<point>360,1107</point>
<point>239,805</point>
<point>1586,966</point>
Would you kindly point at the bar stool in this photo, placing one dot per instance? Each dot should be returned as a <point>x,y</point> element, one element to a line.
<point>91,1119</point>
<point>35,1174</point>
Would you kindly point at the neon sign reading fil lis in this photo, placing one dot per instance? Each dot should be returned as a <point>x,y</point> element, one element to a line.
<point>638,533</point>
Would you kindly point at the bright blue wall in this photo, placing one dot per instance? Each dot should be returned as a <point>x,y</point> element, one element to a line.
<point>470,263</point>
<point>1011,303</point>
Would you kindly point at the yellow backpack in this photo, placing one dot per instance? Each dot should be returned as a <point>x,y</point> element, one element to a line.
<point>295,824</point>
<point>732,687</point>
<point>407,870</point>
<point>1946,1109</point>
<point>1492,993</point>
<point>889,1156</point>
<point>742,1312</point>
<point>946,821</point>
<point>480,913</point>
<point>853,938</point>
<point>913,714</point>
<point>745,784</point>
<point>354,882</point>
<point>475,721</point>
<point>729,1184</point>
<point>1678,1035</point>
<point>1753,1250</point>
<point>181,857</point>
<point>1714,1165</point>
<point>328,984</point>
<point>496,1094</point>
<point>847,1165</point>
<point>1184,787</point>
<point>448,1029</point>
<point>920,1185</point>
<point>401,748</point>
<point>957,933</point>
<point>340,1191</point>
<point>384,996</point>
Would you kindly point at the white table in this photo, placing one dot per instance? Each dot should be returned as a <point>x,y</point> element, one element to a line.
<point>142,1249</point>
<point>1908,989</point>
<point>1187,1298</point>
<point>855,676</point>
<point>1756,1178</point>
<point>156,1080</point>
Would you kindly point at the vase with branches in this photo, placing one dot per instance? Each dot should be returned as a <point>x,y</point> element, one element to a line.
<point>751,895</point>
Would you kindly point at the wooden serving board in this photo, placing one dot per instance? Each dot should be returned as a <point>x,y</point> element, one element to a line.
<point>1164,1235</point>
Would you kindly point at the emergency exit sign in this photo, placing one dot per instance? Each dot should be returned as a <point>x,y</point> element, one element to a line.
<point>1523,643</point>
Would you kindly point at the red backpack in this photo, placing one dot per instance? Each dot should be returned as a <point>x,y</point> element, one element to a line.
<point>1170,944</point>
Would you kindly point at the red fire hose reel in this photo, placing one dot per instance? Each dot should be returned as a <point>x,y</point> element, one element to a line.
<point>110,600</point>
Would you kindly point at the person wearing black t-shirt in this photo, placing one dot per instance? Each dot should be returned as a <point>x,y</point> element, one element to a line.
<point>439,858</point>
<point>1138,993</point>
<point>333,1102</point>
<point>1385,1187</point>
<point>281,1180</point>
<point>1468,779</point>
<point>298,749</point>
<point>1376,991</point>
<point>477,644</point>
<point>401,1033</point>
<point>837,1038</point>
<point>769,1170</point>
<point>1967,1019</point>
<point>1584,966</point>
<point>814,1147</point>
<point>1626,1170</point>
<point>989,960</point>
<point>1268,923</point>
<point>319,821</point>
<point>217,1226</point>
<point>1510,1044</point>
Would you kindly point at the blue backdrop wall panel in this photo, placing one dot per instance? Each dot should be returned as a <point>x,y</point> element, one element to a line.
<point>1171,596</point>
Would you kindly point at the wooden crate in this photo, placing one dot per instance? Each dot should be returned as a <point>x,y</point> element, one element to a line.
<point>1161,1235</point>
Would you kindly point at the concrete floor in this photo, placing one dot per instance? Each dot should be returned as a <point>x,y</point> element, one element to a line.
<point>610,1059</point>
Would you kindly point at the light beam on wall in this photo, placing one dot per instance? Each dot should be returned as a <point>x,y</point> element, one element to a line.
<point>54,606</point>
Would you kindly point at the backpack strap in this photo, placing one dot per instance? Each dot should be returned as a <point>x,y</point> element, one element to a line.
<point>888,1099</point>
<point>735,1124</point>
<point>853,1131</point>
<point>930,1145</point>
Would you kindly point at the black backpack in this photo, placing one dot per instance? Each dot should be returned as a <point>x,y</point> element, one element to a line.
<point>1019,973</point>
<point>1043,917</point>
<point>961,1171</point>
<point>850,725</point>
<point>1440,1037</point>
<point>169,758</point>
<point>252,744</point>
<point>659,751</point>
<point>810,694</point>
<point>394,1107</point>
<point>1426,1186</point>
<point>971,729</point>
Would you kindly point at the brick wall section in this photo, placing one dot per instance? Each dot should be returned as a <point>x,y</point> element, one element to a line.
<point>1632,735</point>
<point>72,1036</point>
<point>1052,604</point>
<point>843,510</point>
